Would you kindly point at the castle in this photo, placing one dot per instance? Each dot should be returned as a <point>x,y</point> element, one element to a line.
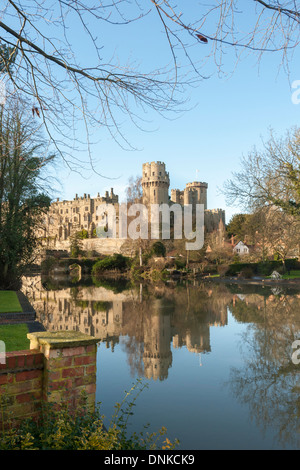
<point>67,217</point>
<point>156,183</point>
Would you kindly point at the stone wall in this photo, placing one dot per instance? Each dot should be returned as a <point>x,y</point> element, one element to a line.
<point>58,367</point>
<point>101,246</point>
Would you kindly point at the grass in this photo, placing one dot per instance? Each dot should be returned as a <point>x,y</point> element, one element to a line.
<point>9,302</point>
<point>294,274</point>
<point>14,337</point>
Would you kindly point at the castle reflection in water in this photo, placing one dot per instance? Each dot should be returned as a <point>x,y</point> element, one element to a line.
<point>148,321</point>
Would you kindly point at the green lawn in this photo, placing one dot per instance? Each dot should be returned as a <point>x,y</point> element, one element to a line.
<point>294,274</point>
<point>9,302</point>
<point>14,337</point>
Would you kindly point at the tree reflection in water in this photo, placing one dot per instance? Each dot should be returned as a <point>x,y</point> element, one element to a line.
<point>149,320</point>
<point>269,381</point>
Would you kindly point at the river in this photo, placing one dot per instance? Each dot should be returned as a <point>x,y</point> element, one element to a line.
<point>215,361</point>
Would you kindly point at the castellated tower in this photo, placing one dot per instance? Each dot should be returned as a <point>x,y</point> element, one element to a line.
<point>155,183</point>
<point>193,193</point>
<point>196,193</point>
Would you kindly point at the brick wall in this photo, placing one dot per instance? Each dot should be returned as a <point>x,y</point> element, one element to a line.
<point>59,366</point>
<point>21,381</point>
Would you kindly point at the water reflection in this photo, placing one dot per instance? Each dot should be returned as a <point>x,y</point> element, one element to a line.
<point>147,319</point>
<point>149,322</point>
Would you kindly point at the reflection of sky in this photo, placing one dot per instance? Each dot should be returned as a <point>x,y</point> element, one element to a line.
<point>196,345</point>
<point>193,402</point>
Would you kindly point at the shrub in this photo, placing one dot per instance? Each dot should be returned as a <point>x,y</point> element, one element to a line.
<point>158,249</point>
<point>180,263</point>
<point>82,429</point>
<point>83,234</point>
<point>115,262</point>
<point>48,264</point>
<point>246,273</point>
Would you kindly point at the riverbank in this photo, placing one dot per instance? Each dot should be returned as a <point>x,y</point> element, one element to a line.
<point>295,283</point>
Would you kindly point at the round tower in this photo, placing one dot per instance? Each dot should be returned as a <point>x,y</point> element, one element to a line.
<point>200,191</point>
<point>155,183</point>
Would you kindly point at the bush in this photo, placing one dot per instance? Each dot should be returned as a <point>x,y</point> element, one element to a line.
<point>246,273</point>
<point>48,264</point>
<point>83,234</point>
<point>180,263</point>
<point>82,429</point>
<point>115,262</point>
<point>158,249</point>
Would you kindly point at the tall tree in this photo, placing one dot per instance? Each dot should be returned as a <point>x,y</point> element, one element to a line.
<point>134,190</point>
<point>269,177</point>
<point>22,199</point>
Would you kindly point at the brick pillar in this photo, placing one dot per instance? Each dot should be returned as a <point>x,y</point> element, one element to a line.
<point>69,365</point>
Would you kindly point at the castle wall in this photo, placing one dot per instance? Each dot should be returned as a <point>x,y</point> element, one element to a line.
<point>67,217</point>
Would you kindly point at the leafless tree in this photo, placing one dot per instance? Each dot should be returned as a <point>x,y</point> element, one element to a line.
<point>68,88</point>
<point>269,176</point>
<point>134,190</point>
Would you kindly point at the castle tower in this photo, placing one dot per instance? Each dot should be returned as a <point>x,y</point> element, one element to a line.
<point>155,183</point>
<point>197,193</point>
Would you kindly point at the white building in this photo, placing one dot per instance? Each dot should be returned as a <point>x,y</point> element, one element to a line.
<point>241,249</point>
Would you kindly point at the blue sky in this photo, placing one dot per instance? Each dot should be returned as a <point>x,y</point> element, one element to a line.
<point>228,117</point>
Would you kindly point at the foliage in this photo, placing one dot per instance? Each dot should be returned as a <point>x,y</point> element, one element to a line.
<point>23,200</point>
<point>115,262</point>
<point>115,285</point>
<point>7,58</point>
<point>82,234</point>
<point>180,263</point>
<point>48,264</point>
<point>82,429</point>
<point>76,244</point>
<point>263,268</point>
<point>236,226</point>
<point>159,249</point>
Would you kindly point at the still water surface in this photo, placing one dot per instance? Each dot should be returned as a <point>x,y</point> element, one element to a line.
<point>216,359</point>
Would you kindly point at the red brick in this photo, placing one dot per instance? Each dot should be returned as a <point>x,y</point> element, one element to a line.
<point>74,372</point>
<point>24,397</point>
<point>60,385</point>
<point>11,362</point>
<point>83,360</point>
<point>38,359</point>
<point>29,360</point>
<point>54,375</point>
<point>90,388</point>
<point>20,361</point>
<point>3,379</point>
<point>27,375</point>
<point>60,362</point>
<point>91,369</point>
